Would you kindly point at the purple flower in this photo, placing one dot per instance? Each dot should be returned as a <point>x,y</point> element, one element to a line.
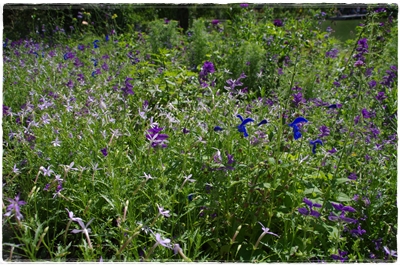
<point>356,119</point>
<point>296,88</point>
<point>372,84</point>
<point>163,242</point>
<point>352,176</point>
<point>266,230</point>
<point>278,23</point>
<point>85,229</point>
<point>14,206</point>
<point>71,216</point>
<point>242,127</point>
<point>341,256</point>
<point>163,212</point>
<point>47,187</point>
<point>309,210</point>
<point>336,84</point>
<point>156,138</point>
<point>358,231</point>
<point>104,151</point>
<point>208,68</point>
<point>244,5</point>
<point>368,71</point>
<point>298,98</point>
<point>303,211</point>
<point>358,63</point>
<point>230,158</point>
<point>324,131</point>
<point>47,172</point>
<point>128,87</point>
<point>381,96</point>
<point>380,10</point>
<point>332,151</point>
<point>6,110</point>
<point>366,114</point>
<point>390,252</point>
<point>332,53</point>
<point>280,72</point>
<point>215,21</point>
<point>314,144</point>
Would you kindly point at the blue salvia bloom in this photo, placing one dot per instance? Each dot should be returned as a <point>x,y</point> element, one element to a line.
<point>107,38</point>
<point>296,131</point>
<point>95,44</point>
<point>242,127</point>
<point>262,122</point>
<point>314,144</point>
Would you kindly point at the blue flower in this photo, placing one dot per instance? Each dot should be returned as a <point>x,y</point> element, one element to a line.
<point>314,144</point>
<point>296,131</point>
<point>262,122</point>
<point>242,127</point>
<point>334,106</point>
<point>95,44</point>
<point>107,38</point>
<point>217,128</point>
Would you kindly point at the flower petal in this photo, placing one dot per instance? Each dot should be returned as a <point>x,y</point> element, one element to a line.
<point>247,120</point>
<point>262,122</point>
<point>298,120</point>
<point>240,117</point>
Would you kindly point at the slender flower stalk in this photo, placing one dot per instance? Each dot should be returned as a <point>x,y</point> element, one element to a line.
<point>235,235</point>
<point>71,218</point>
<point>178,249</point>
<point>37,176</point>
<point>265,231</point>
<point>186,180</point>
<point>125,210</point>
<point>129,240</point>
<point>159,241</point>
<point>85,230</point>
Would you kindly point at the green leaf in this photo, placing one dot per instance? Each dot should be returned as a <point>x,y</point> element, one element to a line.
<point>312,190</point>
<point>108,200</point>
<point>343,197</point>
<point>341,180</point>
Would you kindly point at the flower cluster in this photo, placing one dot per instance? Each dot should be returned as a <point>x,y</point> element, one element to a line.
<point>309,210</point>
<point>362,49</point>
<point>14,207</point>
<point>208,68</point>
<point>342,217</point>
<point>156,138</point>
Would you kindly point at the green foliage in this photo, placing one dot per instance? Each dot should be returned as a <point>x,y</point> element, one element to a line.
<point>88,113</point>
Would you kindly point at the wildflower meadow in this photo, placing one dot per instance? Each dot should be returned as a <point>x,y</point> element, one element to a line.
<point>256,137</point>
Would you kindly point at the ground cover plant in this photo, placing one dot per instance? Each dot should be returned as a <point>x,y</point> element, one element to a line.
<point>257,139</point>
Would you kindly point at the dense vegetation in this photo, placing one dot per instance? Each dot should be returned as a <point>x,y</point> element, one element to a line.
<point>258,137</point>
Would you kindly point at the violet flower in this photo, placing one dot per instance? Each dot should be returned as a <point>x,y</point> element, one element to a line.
<point>163,212</point>
<point>309,211</point>
<point>341,256</point>
<point>15,207</point>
